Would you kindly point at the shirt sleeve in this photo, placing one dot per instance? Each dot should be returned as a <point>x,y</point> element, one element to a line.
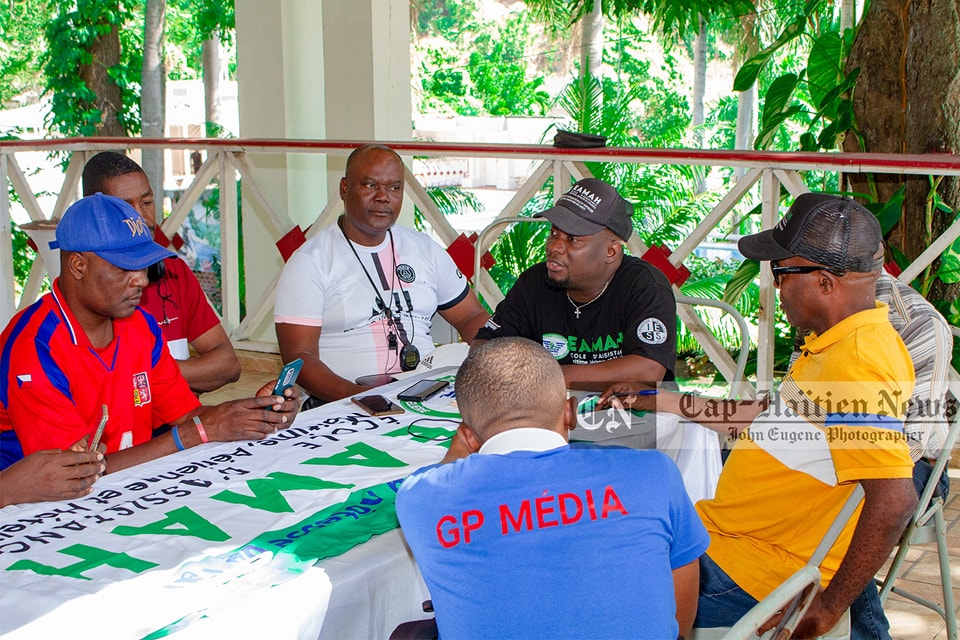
<point>690,537</point>
<point>650,329</point>
<point>452,286</point>
<point>513,316</point>
<point>871,444</point>
<point>42,415</point>
<point>300,292</point>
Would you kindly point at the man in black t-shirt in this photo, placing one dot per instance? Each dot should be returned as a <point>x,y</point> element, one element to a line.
<point>588,303</point>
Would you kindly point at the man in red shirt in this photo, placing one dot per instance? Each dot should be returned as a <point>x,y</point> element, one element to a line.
<point>86,350</point>
<point>173,296</point>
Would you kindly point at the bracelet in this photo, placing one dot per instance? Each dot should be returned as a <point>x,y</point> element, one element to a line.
<point>203,434</point>
<point>176,438</point>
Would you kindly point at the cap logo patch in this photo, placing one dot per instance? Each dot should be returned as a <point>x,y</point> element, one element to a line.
<point>652,331</point>
<point>137,226</point>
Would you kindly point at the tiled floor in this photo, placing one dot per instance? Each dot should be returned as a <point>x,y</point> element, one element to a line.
<point>920,574</point>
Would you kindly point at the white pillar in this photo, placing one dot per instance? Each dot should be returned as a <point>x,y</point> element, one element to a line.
<point>335,69</point>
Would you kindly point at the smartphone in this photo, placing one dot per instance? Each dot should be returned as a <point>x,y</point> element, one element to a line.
<point>288,376</point>
<point>423,390</point>
<point>377,405</point>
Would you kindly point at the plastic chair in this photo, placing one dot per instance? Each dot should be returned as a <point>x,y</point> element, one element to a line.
<point>929,525</point>
<point>789,594</point>
<point>793,597</point>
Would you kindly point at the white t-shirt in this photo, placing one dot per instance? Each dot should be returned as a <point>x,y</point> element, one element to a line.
<point>323,285</point>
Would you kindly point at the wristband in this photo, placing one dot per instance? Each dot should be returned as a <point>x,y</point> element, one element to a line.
<point>176,438</point>
<point>203,434</point>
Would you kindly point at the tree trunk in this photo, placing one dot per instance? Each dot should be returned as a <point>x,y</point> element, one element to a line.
<point>211,81</point>
<point>105,53</point>
<point>699,87</point>
<point>591,45</point>
<point>152,91</point>
<point>746,100</point>
<point>848,10</point>
<point>907,100</point>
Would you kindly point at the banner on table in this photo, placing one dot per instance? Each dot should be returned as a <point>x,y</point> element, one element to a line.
<point>158,545</point>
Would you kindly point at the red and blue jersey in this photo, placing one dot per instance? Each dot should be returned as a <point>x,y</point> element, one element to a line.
<point>54,382</point>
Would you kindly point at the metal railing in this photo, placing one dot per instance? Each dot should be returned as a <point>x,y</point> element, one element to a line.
<point>227,161</point>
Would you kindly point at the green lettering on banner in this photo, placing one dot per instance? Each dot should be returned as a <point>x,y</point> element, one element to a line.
<point>91,557</point>
<point>441,436</point>
<point>610,345</point>
<point>190,523</point>
<point>329,532</point>
<point>359,453</point>
<point>267,494</point>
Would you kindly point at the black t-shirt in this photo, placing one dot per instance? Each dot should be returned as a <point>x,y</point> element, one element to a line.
<point>636,315</point>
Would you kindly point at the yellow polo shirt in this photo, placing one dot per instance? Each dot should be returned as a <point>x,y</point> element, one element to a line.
<point>838,419</point>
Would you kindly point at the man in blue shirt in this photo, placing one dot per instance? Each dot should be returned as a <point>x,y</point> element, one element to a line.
<point>519,523</point>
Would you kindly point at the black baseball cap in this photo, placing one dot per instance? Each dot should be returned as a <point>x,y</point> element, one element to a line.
<point>589,207</point>
<point>834,231</point>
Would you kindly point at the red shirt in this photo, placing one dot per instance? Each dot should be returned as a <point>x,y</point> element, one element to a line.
<point>53,382</point>
<point>179,304</point>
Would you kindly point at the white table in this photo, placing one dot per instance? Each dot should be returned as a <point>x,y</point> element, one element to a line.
<point>197,518</point>
<point>213,572</point>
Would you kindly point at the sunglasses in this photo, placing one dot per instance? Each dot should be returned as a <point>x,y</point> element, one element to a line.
<point>779,271</point>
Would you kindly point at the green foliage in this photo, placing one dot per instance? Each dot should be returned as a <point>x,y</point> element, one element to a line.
<point>21,22</point>
<point>445,87</point>
<point>442,18</point>
<point>499,69</point>
<point>521,245</point>
<point>450,201</point>
<point>667,15</point>
<point>70,33</point>
<point>187,25</point>
<point>23,257</point>
<point>813,98</point>
<point>493,79</point>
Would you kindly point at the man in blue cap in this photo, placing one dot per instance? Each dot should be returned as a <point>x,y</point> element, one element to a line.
<point>87,352</point>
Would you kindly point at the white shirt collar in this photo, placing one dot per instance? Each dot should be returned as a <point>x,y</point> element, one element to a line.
<point>523,439</point>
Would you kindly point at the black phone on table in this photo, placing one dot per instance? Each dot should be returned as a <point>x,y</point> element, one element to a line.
<point>377,405</point>
<point>423,390</point>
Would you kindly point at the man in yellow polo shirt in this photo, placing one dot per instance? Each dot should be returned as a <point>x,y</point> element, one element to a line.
<point>837,421</point>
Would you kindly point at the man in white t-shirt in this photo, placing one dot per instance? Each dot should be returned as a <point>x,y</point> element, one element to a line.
<point>357,299</point>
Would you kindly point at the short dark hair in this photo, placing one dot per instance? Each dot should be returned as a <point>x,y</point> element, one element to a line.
<point>363,149</point>
<point>102,167</point>
<point>507,383</point>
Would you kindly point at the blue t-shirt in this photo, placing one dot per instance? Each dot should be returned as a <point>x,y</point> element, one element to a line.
<point>578,541</point>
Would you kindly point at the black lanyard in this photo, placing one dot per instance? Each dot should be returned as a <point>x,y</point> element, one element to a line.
<point>409,354</point>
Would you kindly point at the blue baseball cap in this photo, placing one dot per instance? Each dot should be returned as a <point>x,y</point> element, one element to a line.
<point>112,229</point>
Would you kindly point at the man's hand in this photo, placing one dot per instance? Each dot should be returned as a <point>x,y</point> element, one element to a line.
<point>817,620</point>
<point>251,418</point>
<point>463,444</point>
<point>629,395</point>
<point>52,475</point>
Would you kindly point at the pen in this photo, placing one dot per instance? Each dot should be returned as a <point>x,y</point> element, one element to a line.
<point>96,436</point>
<point>641,392</point>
